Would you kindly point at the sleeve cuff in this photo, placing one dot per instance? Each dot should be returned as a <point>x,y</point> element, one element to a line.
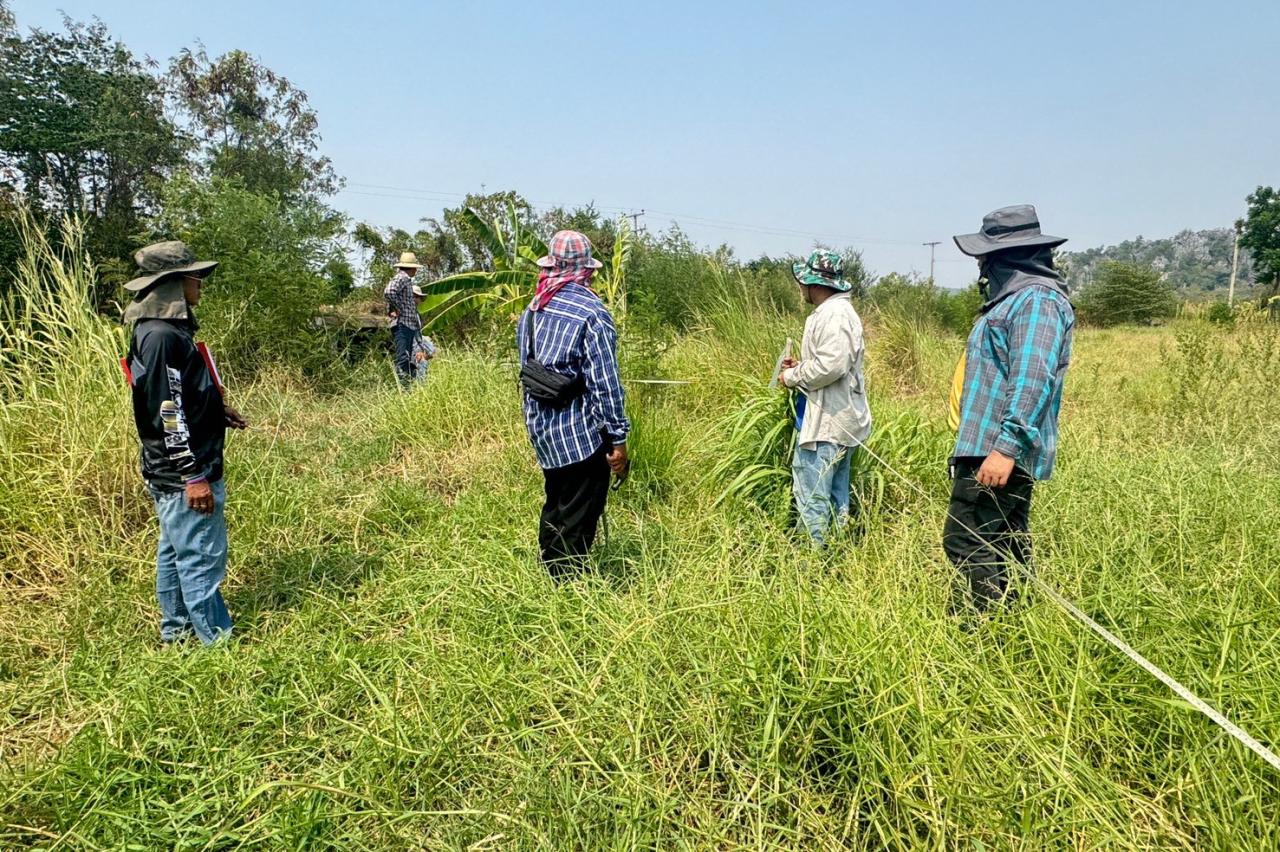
<point>785,376</point>
<point>1007,446</point>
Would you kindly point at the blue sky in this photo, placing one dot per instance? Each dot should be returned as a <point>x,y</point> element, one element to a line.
<point>769,125</point>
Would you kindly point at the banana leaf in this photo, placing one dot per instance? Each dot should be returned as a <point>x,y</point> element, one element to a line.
<point>523,280</point>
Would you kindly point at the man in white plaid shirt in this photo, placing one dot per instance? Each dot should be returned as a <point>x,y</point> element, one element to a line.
<point>403,310</point>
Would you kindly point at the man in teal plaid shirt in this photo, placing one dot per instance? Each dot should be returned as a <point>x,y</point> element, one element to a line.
<point>1015,362</point>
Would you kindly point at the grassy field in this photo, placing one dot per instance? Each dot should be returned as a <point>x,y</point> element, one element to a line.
<point>404,675</point>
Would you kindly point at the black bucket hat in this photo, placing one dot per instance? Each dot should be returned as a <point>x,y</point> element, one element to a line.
<point>1006,228</point>
<point>160,260</point>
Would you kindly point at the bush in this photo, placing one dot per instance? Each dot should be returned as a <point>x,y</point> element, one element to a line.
<point>1220,313</point>
<point>924,302</point>
<point>1125,293</point>
<point>273,258</point>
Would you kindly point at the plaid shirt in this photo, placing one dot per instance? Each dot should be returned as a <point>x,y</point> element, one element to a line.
<point>1015,362</point>
<point>399,295</point>
<point>574,335</point>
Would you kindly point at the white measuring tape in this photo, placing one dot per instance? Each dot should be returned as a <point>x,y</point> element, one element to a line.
<point>1116,642</point>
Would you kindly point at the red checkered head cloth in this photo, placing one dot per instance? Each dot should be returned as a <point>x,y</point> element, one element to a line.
<point>568,261</point>
<point>569,250</point>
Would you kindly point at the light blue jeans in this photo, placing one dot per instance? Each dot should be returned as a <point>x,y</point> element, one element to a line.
<point>820,482</point>
<point>191,563</point>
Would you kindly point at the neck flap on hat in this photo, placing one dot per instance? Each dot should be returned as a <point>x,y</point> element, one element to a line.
<point>166,301</point>
<point>1006,272</point>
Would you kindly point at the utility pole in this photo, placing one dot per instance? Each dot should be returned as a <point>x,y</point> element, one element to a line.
<point>635,220</point>
<point>932,247</point>
<point>1235,262</point>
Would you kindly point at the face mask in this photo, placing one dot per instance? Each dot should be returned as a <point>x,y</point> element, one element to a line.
<point>984,276</point>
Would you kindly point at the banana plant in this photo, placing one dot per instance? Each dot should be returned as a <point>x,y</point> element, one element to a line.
<point>514,277</point>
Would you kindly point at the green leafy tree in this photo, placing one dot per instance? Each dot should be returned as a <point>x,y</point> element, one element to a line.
<point>1260,234</point>
<point>83,132</point>
<point>251,124</point>
<point>278,262</point>
<point>1125,293</point>
<point>468,223</point>
<point>437,247</point>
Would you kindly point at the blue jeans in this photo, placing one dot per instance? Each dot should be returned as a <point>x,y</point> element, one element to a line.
<point>820,481</point>
<point>404,337</point>
<point>191,563</point>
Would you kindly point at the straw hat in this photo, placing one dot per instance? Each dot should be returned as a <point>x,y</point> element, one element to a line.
<point>408,260</point>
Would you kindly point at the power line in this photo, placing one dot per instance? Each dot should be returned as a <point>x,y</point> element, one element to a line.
<point>408,193</point>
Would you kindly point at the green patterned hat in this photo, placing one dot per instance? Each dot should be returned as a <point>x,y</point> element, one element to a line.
<point>822,267</point>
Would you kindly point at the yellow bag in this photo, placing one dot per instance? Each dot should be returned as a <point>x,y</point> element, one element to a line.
<point>957,391</point>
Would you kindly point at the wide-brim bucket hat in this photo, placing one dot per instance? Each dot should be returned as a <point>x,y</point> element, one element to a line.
<point>162,260</point>
<point>1009,227</point>
<point>569,248</point>
<point>824,268</point>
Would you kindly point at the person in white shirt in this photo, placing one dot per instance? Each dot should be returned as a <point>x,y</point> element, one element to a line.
<point>832,414</point>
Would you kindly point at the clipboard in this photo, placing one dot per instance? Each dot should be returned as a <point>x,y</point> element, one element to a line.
<point>777,367</point>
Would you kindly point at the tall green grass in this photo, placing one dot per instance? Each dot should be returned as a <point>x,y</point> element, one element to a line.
<point>404,674</point>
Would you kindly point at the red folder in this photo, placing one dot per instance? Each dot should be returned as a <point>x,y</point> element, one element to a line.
<point>213,368</point>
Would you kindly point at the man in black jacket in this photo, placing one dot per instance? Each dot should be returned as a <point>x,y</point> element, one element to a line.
<point>182,420</point>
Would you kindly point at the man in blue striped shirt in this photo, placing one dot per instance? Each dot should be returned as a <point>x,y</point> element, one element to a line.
<point>568,330</point>
<point>1015,362</point>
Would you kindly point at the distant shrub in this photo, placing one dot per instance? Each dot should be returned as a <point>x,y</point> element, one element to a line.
<point>923,302</point>
<point>1220,313</point>
<point>1125,293</point>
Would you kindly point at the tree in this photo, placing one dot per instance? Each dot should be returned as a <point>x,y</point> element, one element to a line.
<point>278,262</point>
<point>251,124</point>
<point>437,248</point>
<point>481,253</point>
<point>83,132</point>
<point>1125,293</point>
<point>1260,234</point>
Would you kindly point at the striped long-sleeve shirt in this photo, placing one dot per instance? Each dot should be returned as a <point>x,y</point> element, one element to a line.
<point>574,335</point>
<point>1015,363</point>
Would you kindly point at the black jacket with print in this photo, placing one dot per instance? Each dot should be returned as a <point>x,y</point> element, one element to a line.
<point>176,406</point>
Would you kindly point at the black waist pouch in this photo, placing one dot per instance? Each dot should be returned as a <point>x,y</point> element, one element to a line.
<point>552,389</point>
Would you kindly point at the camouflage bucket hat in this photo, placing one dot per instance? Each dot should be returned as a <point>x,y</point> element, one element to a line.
<point>822,267</point>
<point>160,260</point>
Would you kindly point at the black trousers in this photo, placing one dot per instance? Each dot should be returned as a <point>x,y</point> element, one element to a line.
<point>576,496</point>
<point>986,528</point>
